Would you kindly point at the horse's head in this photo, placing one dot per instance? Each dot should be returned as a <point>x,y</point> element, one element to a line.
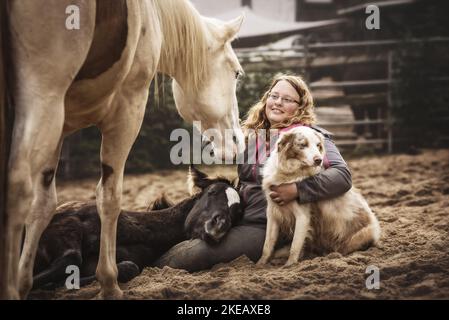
<point>217,209</point>
<point>212,101</point>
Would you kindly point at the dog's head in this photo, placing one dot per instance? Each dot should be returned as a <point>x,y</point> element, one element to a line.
<point>301,148</point>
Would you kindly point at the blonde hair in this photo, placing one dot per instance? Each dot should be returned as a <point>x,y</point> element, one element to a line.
<point>256,118</point>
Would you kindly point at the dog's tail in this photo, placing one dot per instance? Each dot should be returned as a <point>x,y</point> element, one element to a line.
<point>6,125</point>
<point>281,253</point>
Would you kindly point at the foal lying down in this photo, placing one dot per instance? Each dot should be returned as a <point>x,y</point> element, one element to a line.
<point>73,235</point>
<point>343,224</point>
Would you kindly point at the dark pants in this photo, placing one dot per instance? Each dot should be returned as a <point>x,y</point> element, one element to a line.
<point>247,238</point>
<point>195,255</point>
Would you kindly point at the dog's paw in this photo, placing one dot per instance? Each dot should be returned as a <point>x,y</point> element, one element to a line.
<point>262,262</point>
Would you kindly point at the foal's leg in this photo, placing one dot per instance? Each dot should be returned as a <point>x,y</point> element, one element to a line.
<point>42,210</point>
<point>56,272</point>
<point>119,131</point>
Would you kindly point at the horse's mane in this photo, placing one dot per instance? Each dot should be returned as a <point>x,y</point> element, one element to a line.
<point>184,32</point>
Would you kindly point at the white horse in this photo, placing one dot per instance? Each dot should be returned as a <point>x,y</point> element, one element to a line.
<point>63,80</point>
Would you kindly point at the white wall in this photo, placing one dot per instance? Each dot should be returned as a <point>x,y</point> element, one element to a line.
<point>283,10</point>
<point>215,7</point>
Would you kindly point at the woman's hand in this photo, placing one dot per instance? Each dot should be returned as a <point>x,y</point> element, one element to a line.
<point>284,193</point>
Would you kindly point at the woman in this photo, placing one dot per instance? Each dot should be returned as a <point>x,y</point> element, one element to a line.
<point>286,104</point>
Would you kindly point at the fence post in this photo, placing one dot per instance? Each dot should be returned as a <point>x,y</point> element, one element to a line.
<point>390,102</point>
<point>307,59</point>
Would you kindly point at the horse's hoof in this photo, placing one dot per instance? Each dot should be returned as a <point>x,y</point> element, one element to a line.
<point>112,294</point>
<point>289,263</point>
<point>25,286</point>
<point>10,294</point>
<point>24,293</point>
<point>261,262</point>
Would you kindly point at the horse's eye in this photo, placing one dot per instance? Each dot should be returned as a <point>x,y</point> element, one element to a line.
<point>211,192</point>
<point>237,74</point>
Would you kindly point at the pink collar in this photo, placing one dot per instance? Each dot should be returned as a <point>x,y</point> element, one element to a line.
<point>259,157</point>
<point>295,125</point>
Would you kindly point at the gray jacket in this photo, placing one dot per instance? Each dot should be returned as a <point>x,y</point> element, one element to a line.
<point>332,182</point>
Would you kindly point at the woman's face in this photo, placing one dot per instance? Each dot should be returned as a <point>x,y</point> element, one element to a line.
<point>282,103</point>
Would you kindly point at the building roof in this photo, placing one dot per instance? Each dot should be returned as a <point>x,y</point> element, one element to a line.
<point>257,26</point>
<point>380,4</point>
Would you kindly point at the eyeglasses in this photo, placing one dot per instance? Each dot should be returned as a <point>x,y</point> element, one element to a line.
<point>275,97</point>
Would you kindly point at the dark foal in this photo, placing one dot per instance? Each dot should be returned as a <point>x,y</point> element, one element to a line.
<point>73,235</point>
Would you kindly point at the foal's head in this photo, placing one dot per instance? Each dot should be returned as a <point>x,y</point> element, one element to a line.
<point>217,209</point>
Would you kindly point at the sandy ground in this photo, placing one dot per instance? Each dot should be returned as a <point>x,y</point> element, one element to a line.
<point>409,194</point>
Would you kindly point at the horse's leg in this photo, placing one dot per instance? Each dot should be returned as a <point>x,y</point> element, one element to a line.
<point>37,140</point>
<point>42,210</point>
<point>38,42</point>
<point>119,132</point>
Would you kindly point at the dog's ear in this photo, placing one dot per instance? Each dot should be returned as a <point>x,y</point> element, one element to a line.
<point>321,137</point>
<point>285,141</point>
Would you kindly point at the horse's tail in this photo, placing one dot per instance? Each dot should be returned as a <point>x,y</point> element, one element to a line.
<point>6,124</point>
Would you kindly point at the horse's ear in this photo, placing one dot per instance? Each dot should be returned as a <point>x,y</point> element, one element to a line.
<point>197,180</point>
<point>233,27</point>
<point>161,202</point>
<point>235,182</point>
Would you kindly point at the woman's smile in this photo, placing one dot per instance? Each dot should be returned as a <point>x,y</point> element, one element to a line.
<point>277,111</point>
<point>282,103</point>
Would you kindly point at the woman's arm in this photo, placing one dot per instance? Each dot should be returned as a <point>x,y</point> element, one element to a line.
<point>332,182</point>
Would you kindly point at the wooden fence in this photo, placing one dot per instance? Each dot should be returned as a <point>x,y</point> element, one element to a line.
<point>369,97</point>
